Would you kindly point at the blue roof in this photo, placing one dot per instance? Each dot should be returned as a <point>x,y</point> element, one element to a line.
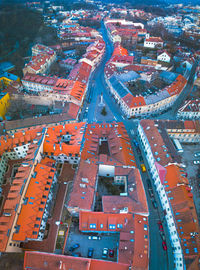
<point>5,66</point>
<point>168,76</point>
<point>129,76</point>
<point>8,75</point>
<point>119,87</point>
<point>158,96</point>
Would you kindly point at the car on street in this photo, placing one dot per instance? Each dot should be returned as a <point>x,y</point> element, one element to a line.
<point>164,245</point>
<point>196,162</point>
<point>197,154</point>
<point>143,168</point>
<point>160,226</point>
<point>105,253</point>
<point>76,254</point>
<point>136,143</point>
<point>154,204</point>
<point>90,252</point>
<point>111,253</point>
<point>150,189</point>
<point>140,158</point>
<point>74,247</point>
<point>94,237</point>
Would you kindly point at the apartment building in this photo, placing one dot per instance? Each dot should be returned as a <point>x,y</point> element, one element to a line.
<point>42,58</point>
<point>190,110</point>
<point>173,190</point>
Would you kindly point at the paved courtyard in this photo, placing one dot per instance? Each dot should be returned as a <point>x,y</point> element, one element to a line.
<point>109,241</point>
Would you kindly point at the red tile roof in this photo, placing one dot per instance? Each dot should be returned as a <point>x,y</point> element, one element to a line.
<point>118,140</point>
<point>133,244</point>
<point>53,143</point>
<point>39,186</point>
<point>50,261</point>
<point>133,102</point>
<point>181,200</point>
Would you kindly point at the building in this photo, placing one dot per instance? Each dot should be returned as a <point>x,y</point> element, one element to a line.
<point>40,260</point>
<point>7,78</point>
<point>190,110</point>
<point>4,104</point>
<point>153,42</point>
<point>164,57</point>
<point>42,58</point>
<point>172,187</point>
<point>133,106</point>
<point>133,244</point>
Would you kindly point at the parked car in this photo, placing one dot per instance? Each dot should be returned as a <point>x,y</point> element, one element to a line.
<point>75,246</point>
<point>196,161</point>
<point>94,237</point>
<point>105,253</point>
<point>111,253</point>
<point>143,168</point>
<point>197,154</point>
<point>164,245</point>
<point>154,204</point>
<point>90,252</point>
<point>76,254</point>
<point>136,143</point>
<point>160,226</point>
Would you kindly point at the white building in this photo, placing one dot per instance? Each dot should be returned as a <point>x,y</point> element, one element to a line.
<point>164,57</point>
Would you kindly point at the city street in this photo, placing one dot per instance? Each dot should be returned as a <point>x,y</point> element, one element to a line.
<point>159,259</point>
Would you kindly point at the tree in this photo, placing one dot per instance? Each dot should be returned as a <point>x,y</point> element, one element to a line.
<point>103,111</point>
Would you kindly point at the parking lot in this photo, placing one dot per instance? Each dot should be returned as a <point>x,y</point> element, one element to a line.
<point>109,241</point>
<point>193,171</point>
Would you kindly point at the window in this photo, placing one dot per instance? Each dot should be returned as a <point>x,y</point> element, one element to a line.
<point>119,226</point>
<point>36,226</point>
<point>38,218</point>
<point>112,226</point>
<point>101,226</point>
<point>34,233</point>
<point>41,209</point>
<point>92,226</point>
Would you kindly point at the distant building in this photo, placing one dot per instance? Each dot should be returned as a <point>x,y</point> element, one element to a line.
<point>164,57</point>
<point>42,58</point>
<point>4,104</point>
<point>153,42</point>
<point>190,110</point>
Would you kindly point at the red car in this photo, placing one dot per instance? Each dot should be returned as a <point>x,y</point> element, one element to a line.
<point>111,253</point>
<point>160,226</point>
<point>164,245</point>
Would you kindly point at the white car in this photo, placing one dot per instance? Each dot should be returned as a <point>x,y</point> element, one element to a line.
<point>197,154</point>
<point>105,253</point>
<point>94,237</point>
<point>196,161</point>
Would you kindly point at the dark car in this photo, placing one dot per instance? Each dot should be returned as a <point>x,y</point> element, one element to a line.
<point>90,252</point>
<point>164,245</point>
<point>75,246</point>
<point>140,158</point>
<point>111,253</point>
<point>76,254</point>
<point>154,204</point>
